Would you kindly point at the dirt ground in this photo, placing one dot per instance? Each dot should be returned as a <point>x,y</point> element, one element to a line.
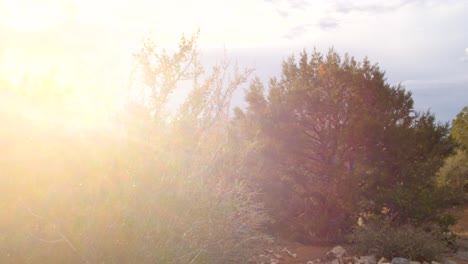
<point>461,229</point>
<point>461,214</point>
<point>303,253</point>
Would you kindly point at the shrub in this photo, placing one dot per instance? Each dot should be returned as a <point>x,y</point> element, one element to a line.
<point>445,221</point>
<point>149,188</point>
<point>404,241</point>
<point>453,177</point>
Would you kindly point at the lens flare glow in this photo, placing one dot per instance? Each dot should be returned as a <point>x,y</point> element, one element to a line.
<point>32,14</point>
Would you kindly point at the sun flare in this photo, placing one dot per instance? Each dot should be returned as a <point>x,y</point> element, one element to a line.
<point>44,93</point>
<point>31,15</point>
<point>20,73</point>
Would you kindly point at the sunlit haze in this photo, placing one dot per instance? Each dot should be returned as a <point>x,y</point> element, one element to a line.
<point>421,44</point>
<point>240,131</point>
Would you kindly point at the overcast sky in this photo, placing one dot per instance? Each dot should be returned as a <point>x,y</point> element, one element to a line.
<point>421,44</point>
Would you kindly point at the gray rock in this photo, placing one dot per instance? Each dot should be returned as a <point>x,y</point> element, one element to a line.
<point>294,255</point>
<point>463,255</point>
<point>367,260</point>
<point>263,258</point>
<point>349,260</point>
<point>337,252</point>
<point>400,261</point>
<point>462,244</point>
<point>382,260</point>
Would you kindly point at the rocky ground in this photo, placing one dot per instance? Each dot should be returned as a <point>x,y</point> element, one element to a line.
<point>285,252</point>
<point>461,229</point>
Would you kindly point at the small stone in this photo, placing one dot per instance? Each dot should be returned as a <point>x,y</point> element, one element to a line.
<point>416,262</point>
<point>335,261</point>
<point>434,262</point>
<point>337,252</point>
<point>263,258</point>
<point>367,260</point>
<point>278,256</point>
<point>382,260</point>
<point>289,253</point>
<point>348,260</point>
<point>400,261</point>
<point>310,262</point>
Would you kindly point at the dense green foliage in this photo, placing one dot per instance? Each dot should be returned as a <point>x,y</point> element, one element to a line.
<point>333,140</point>
<point>453,176</point>
<point>459,129</point>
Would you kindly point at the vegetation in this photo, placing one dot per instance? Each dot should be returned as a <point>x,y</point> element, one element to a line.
<point>453,176</point>
<point>335,140</point>
<point>460,128</point>
<point>153,188</point>
<point>402,241</point>
<point>327,142</point>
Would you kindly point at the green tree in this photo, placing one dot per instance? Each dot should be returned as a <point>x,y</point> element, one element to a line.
<point>453,176</point>
<point>334,139</point>
<point>459,130</point>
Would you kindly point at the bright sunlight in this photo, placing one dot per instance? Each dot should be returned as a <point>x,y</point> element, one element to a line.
<point>32,14</point>
<point>23,74</point>
<point>233,131</point>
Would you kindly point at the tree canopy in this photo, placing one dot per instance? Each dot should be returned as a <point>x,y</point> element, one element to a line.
<point>337,140</point>
<point>459,130</point>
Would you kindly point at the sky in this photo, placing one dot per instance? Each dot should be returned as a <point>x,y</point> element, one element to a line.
<point>89,43</point>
